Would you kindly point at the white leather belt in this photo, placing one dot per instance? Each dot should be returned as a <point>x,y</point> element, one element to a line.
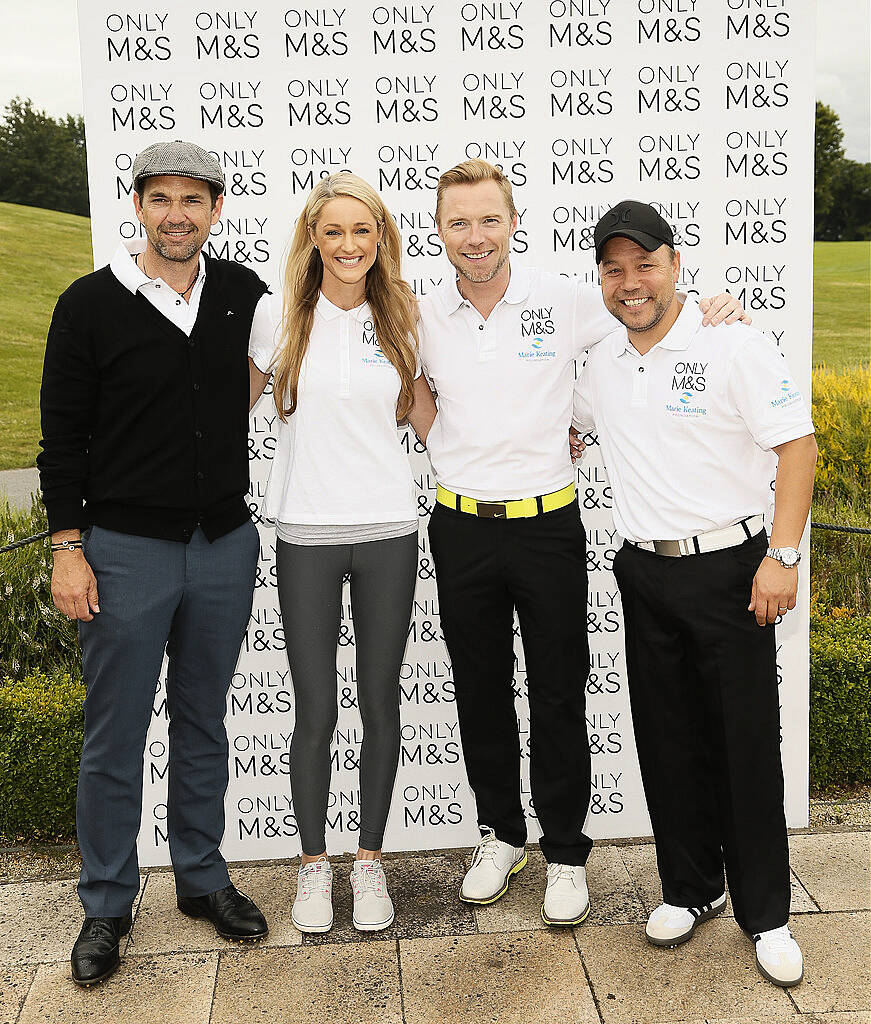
<point>713,540</point>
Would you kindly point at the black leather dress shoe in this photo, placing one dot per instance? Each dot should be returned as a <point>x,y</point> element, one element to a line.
<point>95,953</point>
<point>234,915</point>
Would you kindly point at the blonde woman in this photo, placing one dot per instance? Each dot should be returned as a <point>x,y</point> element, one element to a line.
<point>343,498</point>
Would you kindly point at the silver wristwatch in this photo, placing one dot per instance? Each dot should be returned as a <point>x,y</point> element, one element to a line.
<point>788,557</point>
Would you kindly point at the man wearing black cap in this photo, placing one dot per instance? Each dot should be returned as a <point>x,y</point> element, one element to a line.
<point>144,473</point>
<point>688,423</point>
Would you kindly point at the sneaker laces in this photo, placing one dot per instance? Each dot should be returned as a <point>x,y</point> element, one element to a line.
<point>556,872</point>
<point>778,940</point>
<point>486,849</point>
<point>315,878</point>
<point>368,877</point>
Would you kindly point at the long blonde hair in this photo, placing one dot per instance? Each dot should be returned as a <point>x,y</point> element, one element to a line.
<point>393,305</point>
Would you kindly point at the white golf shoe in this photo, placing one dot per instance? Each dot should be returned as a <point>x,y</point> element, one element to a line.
<point>373,908</point>
<point>566,899</point>
<point>670,926</point>
<point>313,907</point>
<point>493,864</point>
<point>778,957</point>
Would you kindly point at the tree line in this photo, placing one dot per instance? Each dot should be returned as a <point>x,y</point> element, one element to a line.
<point>43,162</point>
<point>842,187</point>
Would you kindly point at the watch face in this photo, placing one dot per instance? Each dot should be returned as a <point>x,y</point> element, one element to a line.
<point>789,557</point>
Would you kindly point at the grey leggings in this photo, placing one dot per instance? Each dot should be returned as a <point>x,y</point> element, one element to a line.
<point>383,574</point>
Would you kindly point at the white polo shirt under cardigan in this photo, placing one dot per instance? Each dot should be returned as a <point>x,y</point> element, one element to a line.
<point>687,429</point>
<point>338,459</point>
<point>167,301</point>
<point>505,406</point>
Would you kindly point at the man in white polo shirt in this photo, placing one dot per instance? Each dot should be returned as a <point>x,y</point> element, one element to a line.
<point>499,344</point>
<point>689,425</point>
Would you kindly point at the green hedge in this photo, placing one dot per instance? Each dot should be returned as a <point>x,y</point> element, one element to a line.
<point>34,635</point>
<point>840,700</point>
<point>41,727</point>
<point>41,731</point>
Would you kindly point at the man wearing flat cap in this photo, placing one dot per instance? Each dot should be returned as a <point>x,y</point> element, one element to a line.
<point>692,427</point>
<point>144,474</point>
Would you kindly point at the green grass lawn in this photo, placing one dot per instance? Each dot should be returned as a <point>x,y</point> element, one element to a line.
<point>41,252</point>
<point>842,304</point>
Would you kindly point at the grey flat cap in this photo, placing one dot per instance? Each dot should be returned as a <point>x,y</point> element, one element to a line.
<point>183,158</point>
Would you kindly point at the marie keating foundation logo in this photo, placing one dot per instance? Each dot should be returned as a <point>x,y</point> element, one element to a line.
<point>789,393</point>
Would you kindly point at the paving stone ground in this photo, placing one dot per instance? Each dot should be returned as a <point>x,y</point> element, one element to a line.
<point>443,962</point>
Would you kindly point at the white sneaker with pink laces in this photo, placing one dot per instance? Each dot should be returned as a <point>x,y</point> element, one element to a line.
<point>373,908</point>
<point>313,907</point>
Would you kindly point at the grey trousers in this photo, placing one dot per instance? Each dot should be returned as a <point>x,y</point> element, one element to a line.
<point>194,601</point>
<point>383,576</point>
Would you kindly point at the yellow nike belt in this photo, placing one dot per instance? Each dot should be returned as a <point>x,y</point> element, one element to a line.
<point>520,508</point>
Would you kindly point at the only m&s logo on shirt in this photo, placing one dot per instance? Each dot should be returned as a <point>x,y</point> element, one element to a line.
<point>536,322</point>
<point>689,376</point>
<point>373,354</point>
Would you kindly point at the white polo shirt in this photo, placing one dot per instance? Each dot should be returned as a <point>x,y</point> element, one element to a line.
<point>338,458</point>
<point>167,301</point>
<point>687,429</point>
<point>505,383</point>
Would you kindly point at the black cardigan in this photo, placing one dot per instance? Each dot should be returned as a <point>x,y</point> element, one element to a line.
<point>144,429</point>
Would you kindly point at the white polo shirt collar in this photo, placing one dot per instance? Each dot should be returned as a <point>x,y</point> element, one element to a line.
<point>328,311</point>
<point>519,286</point>
<point>162,296</point>
<point>678,339</point>
<point>123,266</point>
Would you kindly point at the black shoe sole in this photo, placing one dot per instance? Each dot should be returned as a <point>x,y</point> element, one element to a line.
<point>229,936</point>
<point>95,981</point>
<point>565,924</point>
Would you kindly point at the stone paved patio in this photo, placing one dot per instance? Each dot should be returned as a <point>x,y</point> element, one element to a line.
<point>443,962</point>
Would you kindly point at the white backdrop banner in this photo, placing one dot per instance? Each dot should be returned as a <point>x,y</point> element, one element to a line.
<point>704,109</point>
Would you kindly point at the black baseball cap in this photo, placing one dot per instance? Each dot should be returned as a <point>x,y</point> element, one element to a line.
<point>631,219</point>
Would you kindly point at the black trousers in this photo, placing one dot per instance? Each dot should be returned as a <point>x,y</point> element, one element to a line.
<point>703,690</point>
<point>485,568</point>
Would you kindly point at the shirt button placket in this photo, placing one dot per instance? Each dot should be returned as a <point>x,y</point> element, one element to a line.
<point>639,385</point>
<point>345,357</point>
